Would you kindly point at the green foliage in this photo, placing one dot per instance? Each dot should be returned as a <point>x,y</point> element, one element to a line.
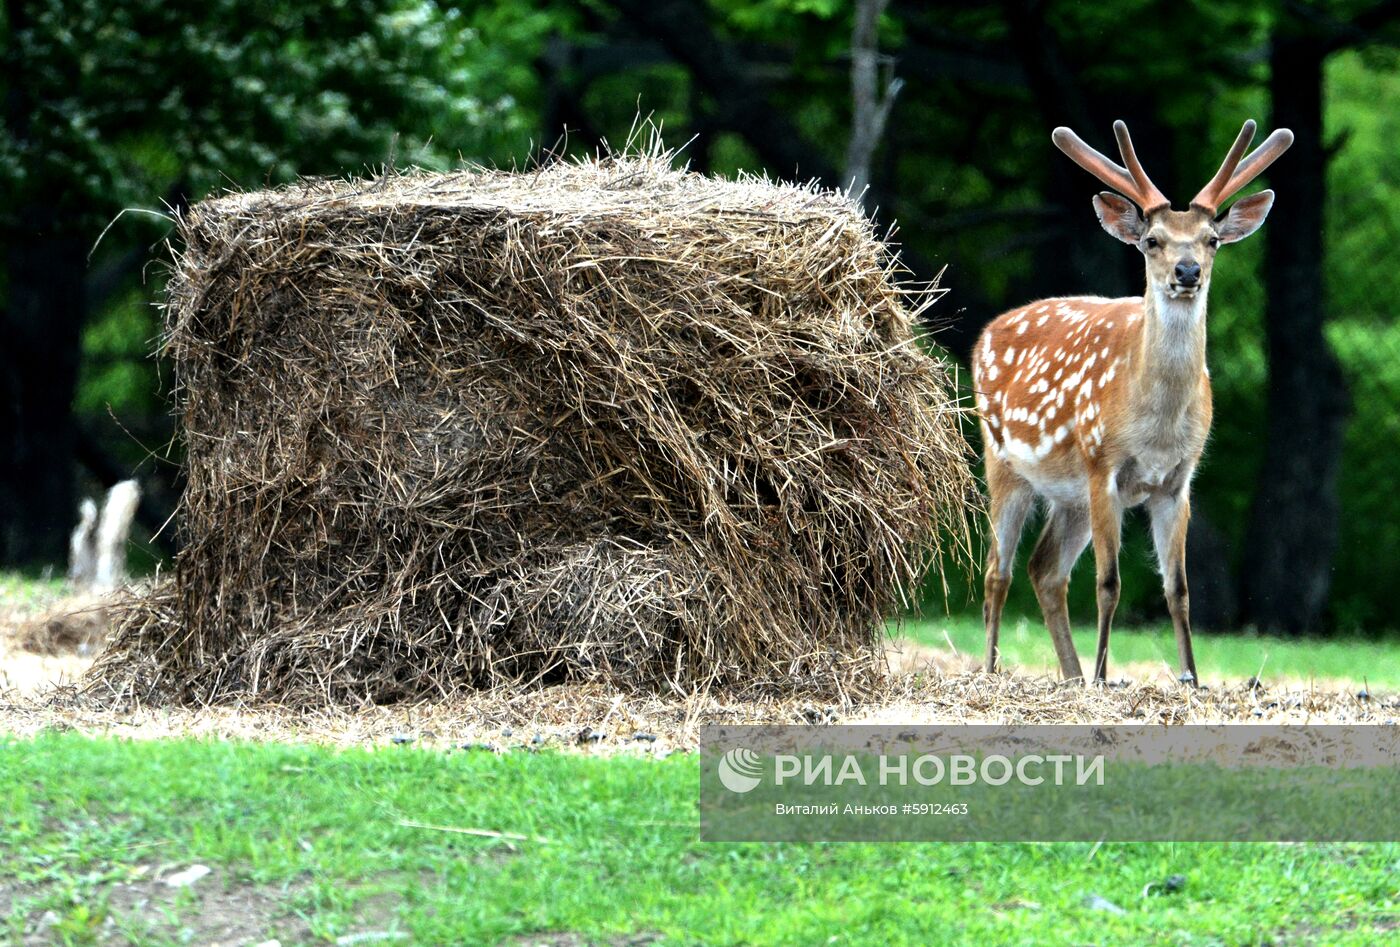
<point>131,96</point>
<point>1364,592</point>
<point>133,102</point>
<point>1363,256</point>
<point>118,368</point>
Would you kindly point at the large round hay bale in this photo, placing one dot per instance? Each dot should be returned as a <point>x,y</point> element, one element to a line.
<point>606,418</point>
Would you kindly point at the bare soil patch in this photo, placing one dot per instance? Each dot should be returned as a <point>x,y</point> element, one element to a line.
<point>214,911</point>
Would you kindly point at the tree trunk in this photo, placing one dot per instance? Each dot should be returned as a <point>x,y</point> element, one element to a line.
<point>39,346</point>
<point>1294,522</point>
<point>1214,604</point>
<point>870,106</point>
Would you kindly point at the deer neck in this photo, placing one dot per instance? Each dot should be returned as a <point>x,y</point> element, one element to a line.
<point>1172,353</point>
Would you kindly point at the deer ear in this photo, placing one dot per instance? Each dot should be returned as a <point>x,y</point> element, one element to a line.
<point>1244,217</point>
<point>1119,216</point>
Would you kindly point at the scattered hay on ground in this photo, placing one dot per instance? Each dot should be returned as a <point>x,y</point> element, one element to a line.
<point>594,717</point>
<point>51,639</point>
<point>78,625</point>
<point>604,421</point>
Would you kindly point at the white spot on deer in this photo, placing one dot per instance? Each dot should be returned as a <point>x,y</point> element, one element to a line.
<point>1087,389</point>
<point>1050,412</point>
<point>992,371</point>
<point>1010,354</point>
<point>1042,320</point>
<point>1025,451</point>
<point>1021,329</point>
<point>1061,432</point>
<point>1042,308</point>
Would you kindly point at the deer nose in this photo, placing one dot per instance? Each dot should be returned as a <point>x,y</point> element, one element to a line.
<point>1188,272</point>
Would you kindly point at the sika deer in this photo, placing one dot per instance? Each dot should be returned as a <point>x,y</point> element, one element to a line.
<point>1098,405</point>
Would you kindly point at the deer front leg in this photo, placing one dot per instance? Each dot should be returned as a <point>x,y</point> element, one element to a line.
<point>1170,516</point>
<point>1106,519</point>
<point>1065,536</point>
<point>1011,499</point>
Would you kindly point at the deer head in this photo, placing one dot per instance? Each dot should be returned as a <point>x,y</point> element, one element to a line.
<point>1178,246</point>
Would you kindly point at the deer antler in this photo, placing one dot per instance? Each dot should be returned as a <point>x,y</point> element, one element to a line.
<point>1234,173</point>
<point>1131,181</point>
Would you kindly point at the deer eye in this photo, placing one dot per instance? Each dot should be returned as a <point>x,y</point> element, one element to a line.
<point>1152,243</point>
<point>1214,242</point>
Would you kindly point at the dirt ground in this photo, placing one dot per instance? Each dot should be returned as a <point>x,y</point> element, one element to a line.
<point>45,648</point>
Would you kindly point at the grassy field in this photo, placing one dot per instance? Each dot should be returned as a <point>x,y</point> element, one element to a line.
<point>1026,644</point>
<point>310,844</point>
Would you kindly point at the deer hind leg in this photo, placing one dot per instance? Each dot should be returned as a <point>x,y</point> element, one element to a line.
<point>1011,501</point>
<point>1106,518</point>
<point>1170,516</point>
<point>1064,538</point>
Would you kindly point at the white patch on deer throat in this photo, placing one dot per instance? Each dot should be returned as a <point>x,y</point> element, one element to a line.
<point>1188,311</point>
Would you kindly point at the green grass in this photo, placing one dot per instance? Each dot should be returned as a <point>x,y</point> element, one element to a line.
<point>1025,643</point>
<point>319,831</point>
<point>22,591</point>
